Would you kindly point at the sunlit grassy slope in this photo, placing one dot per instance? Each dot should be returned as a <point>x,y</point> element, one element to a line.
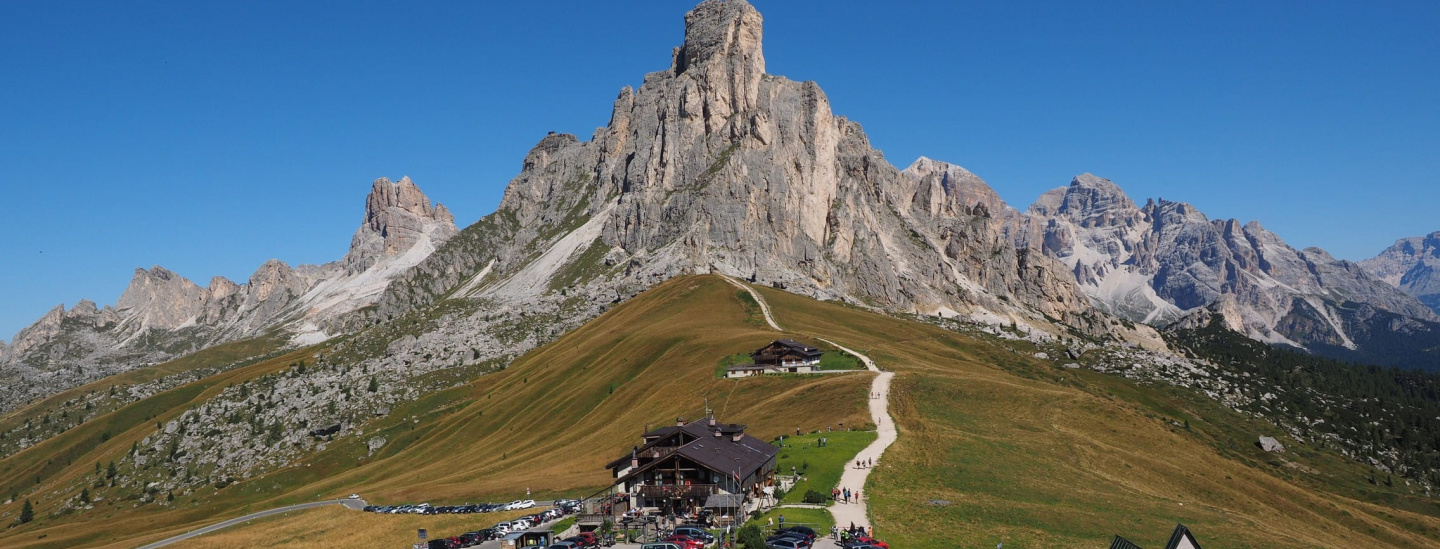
<point>997,448</point>
<point>548,423</point>
<point>334,526</point>
<point>993,447</point>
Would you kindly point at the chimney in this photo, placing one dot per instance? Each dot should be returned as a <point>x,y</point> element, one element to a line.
<point>712,421</point>
<point>719,434</point>
<point>736,437</point>
<point>680,422</point>
<point>634,459</point>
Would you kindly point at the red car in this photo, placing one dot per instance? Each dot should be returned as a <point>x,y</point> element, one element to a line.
<point>872,541</point>
<point>590,539</point>
<point>686,542</point>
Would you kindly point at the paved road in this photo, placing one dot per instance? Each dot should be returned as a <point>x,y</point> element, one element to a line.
<point>858,512</point>
<point>356,504</point>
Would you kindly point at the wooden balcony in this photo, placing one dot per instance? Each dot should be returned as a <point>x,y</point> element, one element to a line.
<point>698,491</point>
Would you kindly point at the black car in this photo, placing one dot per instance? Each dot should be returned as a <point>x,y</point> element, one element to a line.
<point>797,537</point>
<point>808,531</point>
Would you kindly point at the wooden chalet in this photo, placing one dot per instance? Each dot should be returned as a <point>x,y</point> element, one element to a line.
<point>680,467</point>
<point>787,355</point>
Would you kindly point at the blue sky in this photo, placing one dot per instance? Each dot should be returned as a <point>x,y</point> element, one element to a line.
<point>208,137</point>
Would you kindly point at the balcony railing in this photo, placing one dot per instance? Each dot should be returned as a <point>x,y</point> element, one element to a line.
<point>676,490</point>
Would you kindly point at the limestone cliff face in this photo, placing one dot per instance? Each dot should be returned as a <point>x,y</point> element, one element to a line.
<point>713,164</point>
<point>397,217</point>
<point>1413,265</point>
<point>1167,262</point>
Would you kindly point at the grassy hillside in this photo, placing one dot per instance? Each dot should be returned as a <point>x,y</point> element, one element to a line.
<point>994,447</point>
<point>334,526</point>
<point>997,448</point>
<point>548,422</point>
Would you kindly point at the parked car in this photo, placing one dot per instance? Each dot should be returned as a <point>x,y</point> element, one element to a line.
<point>526,504</point>
<point>501,528</point>
<point>354,496</point>
<point>786,543</point>
<point>694,532</point>
<point>808,531</point>
<point>589,537</point>
<point>796,537</point>
<point>661,545</point>
<point>872,541</point>
<point>686,542</point>
<point>561,545</point>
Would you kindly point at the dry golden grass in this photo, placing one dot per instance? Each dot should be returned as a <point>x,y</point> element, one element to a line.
<point>548,423</point>
<point>335,526</point>
<point>1026,454</point>
<point>1032,456</point>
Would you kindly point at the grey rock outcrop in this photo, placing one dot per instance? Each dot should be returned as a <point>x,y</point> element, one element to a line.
<point>1413,265</point>
<point>1269,444</point>
<point>1166,262</point>
<point>714,165</point>
<point>397,217</point>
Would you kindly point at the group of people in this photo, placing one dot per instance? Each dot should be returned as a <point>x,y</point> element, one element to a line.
<point>844,495</point>
<point>864,463</point>
<point>846,534</point>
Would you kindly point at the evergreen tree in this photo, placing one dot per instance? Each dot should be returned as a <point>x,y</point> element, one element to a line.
<point>27,513</point>
<point>751,538</point>
<point>85,495</point>
<point>110,470</point>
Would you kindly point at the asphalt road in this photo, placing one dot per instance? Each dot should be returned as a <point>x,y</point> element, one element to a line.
<point>356,504</point>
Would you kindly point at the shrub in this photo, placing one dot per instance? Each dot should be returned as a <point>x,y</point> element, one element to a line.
<point>750,537</point>
<point>812,496</point>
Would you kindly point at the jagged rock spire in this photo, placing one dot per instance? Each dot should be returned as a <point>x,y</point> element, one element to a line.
<point>397,216</point>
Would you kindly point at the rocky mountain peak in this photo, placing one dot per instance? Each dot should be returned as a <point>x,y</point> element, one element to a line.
<point>1413,265</point>
<point>1089,195</point>
<point>942,187</point>
<point>397,217</point>
<point>726,33</point>
<point>159,298</point>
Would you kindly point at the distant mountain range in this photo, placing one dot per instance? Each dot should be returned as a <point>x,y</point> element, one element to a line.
<point>162,315</point>
<point>715,165</point>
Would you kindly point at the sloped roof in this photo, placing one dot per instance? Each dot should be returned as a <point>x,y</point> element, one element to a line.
<point>721,454</point>
<point>1182,539</point>
<point>1122,543</point>
<point>699,428</point>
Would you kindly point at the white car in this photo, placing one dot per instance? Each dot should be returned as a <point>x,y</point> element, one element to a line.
<point>503,528</point>
<point>526,504</point>
<point>354,496</point>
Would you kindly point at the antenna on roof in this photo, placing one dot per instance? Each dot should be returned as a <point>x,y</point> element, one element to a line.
<point>708,412</point>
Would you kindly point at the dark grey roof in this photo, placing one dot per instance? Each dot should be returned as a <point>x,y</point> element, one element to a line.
<point>1122,543</point>
<point>722,454</point>
<point>798,346</point>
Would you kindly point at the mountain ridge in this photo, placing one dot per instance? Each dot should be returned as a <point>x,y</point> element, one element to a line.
<point>161,314</point>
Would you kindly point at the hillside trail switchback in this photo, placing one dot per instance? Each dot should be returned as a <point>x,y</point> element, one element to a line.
<point>857,512</point>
